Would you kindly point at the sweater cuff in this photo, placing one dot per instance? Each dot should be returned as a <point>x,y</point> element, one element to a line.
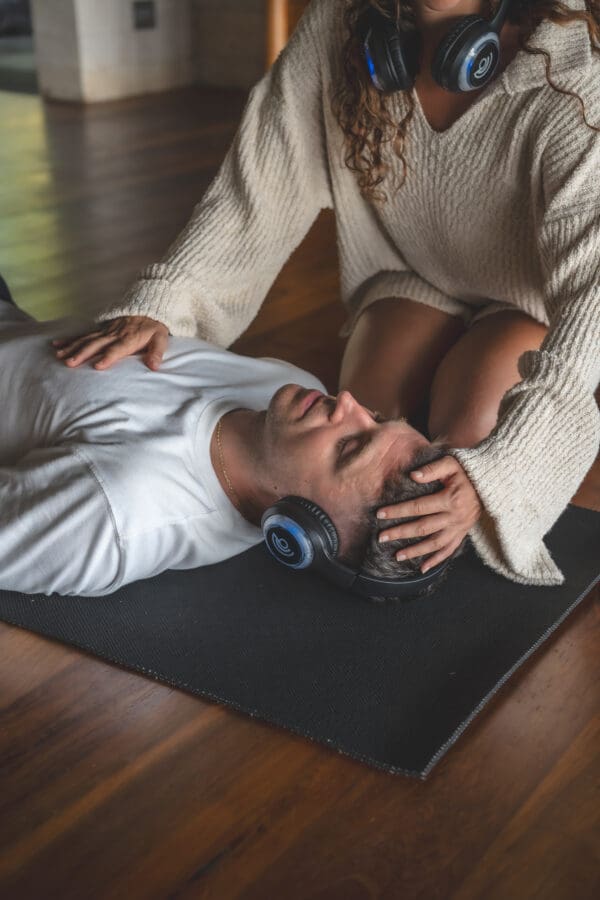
<point>158,299</point>
<point>536,567</point>
<point>401,284</point>
<point>524,475</point>
<point>507,537</point>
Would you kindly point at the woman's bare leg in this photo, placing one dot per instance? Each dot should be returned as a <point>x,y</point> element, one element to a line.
<point>392,355</point>
<point>476,373</point>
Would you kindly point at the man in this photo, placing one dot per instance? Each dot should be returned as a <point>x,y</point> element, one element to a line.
<point>107,478</point>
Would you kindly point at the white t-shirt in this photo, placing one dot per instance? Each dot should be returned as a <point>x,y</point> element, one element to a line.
<point>105,476</point>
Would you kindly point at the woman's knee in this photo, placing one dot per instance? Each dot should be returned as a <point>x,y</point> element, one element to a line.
<point>476,373</point>
<point>392,354</point>
<point>464,432</point>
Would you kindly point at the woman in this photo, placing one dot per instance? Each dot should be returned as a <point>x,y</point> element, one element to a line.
<point>477,264</point>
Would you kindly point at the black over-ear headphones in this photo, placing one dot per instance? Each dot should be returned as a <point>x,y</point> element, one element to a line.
<point>301,535</point>
<point>465,59</point>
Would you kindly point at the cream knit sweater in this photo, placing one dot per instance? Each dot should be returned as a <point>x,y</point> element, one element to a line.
<point>503,207</point>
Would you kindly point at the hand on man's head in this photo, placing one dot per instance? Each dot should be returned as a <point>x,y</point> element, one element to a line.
<point>442,519</point>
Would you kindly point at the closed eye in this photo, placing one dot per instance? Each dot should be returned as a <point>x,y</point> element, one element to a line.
<point>349,448</point>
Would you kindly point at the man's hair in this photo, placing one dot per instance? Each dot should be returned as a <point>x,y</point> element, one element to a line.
<point>373,558</point>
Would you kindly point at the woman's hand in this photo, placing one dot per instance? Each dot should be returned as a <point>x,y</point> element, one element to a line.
<point>446,515</point>
<point>115,339</point>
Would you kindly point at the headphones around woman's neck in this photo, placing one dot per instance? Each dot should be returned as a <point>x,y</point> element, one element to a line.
<point>300,535</point>
<point>465,59</point>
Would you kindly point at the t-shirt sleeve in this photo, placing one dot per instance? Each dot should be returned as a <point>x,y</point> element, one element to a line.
<point>269,190</point>
<point>548,430</point>
<point>56,530</point>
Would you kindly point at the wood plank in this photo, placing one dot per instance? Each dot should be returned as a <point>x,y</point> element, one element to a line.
<point>551,846</point>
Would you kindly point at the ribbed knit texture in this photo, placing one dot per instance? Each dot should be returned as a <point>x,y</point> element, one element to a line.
<point>502,208</point>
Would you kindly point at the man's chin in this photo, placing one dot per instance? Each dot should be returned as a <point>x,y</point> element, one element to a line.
<point>282,400</point>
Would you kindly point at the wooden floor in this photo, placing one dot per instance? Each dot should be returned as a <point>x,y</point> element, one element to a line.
<point>116,786</point>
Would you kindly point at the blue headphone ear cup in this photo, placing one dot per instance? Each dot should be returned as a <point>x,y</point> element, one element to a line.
<point>451,54</point>
<point>320,520</point>
<point>395,54</point>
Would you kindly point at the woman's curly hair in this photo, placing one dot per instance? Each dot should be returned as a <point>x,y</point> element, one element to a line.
<point>364,113</point>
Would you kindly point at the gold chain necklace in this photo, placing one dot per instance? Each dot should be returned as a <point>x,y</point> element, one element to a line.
<point>232,490</point>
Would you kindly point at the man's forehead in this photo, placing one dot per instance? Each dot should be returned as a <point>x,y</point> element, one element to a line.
<point>396,435</point>
<point>394,446</point>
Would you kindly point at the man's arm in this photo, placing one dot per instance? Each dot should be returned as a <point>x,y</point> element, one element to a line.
<point>56,529</point>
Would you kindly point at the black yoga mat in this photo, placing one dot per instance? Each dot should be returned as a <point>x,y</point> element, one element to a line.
<point>392,685</point>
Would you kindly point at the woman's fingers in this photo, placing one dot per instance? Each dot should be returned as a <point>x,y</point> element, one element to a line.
<point>420,506</point>
<point>417,528</point>
<point>439,469</point>
<point>114,340</point>
<point>85,349</point>
<point>156,348</point>
<point>119,349</point>
<point>71,338</point>
<point>148,334</point>
<point>442,518</point>
<point>66,346</point>
<point>73,347</point>
<point>422,548</point>
<point>439,557</point>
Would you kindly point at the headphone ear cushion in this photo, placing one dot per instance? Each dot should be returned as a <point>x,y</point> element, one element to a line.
<point>452,44</point>
<point>319,518</point>
<point>396,54</point>
<point>404,49</point>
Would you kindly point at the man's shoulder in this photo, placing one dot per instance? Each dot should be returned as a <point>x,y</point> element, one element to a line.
<point>304,377</point>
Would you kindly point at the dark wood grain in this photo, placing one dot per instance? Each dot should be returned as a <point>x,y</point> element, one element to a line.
<point>116,786</point>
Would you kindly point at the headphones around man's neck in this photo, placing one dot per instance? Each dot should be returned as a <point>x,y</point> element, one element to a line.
<point>465,59</point>
<point>300,535</point>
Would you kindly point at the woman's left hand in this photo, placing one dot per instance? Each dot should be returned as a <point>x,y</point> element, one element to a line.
<point>447,515</point>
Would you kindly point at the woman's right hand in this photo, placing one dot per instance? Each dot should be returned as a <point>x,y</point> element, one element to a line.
<point>115,339</point>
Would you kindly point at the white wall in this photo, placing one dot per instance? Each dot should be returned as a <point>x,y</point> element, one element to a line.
<point>89,49</point>
<point>57,48</point>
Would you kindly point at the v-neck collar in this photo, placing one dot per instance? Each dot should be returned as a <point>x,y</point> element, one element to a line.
<point>570,54</point>
<point>490,90</point>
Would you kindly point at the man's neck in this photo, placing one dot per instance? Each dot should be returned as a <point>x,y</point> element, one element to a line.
<point>236,461</point>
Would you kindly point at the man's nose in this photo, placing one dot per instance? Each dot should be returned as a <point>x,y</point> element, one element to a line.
<point>347,408</point>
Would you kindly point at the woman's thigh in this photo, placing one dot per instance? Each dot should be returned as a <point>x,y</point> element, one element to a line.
<point>392,355</point>
<point>476,373</point>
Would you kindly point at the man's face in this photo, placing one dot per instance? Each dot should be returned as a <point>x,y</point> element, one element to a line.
<point>332,450</point>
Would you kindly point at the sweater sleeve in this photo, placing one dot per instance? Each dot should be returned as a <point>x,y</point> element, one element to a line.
<point>270,188</point>
<point>548,428</point>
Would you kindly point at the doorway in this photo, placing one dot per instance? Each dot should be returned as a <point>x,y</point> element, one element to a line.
<point>17,54</point>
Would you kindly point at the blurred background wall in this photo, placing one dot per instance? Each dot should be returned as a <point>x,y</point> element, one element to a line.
<point>89,50</point>
<point>92,191</point>
<point>230,41</point>
<point>95,50</point>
